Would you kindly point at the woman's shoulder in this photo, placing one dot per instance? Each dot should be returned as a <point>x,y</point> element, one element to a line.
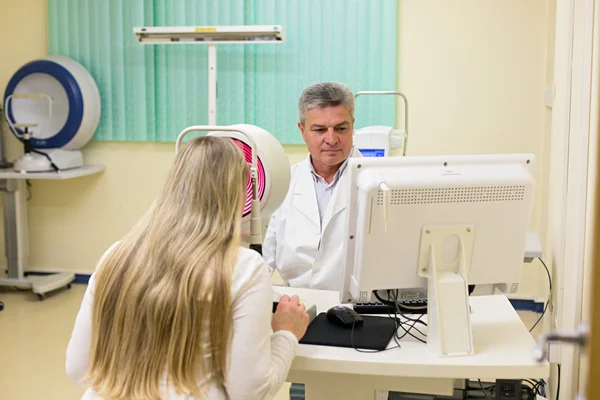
<point>249,259</point>
<point>110,249</point>
<point>250,265</point>
<point>106,253</point>
<point>92,280</point>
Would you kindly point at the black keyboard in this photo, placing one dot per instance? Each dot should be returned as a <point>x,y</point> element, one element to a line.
<point>408,307</point>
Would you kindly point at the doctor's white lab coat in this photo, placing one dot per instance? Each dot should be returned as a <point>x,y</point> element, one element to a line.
<point>306,254</point>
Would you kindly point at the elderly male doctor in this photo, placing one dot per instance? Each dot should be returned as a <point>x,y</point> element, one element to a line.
<point>304,240</point>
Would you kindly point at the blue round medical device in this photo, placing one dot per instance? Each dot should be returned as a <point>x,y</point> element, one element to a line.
<point>70,119</point>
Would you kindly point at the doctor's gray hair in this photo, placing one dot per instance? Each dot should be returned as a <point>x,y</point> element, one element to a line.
<point>325,94</point>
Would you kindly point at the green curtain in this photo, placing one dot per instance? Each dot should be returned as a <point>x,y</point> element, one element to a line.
<point>152,92</point>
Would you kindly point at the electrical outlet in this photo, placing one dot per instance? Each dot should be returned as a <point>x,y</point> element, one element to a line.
<point>508,389</point>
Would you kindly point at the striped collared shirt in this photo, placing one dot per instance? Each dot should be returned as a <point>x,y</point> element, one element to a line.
<point>323,189</point>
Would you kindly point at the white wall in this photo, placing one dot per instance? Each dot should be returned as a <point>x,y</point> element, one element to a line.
<point>474,73</point>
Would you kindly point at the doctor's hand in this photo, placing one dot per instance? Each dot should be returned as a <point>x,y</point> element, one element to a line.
<point>290,316</point>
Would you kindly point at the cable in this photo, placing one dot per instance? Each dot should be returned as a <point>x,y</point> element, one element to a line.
<point>398,306</point>
<point>533,383</point>
<point>54,167</point>
<point>402,323</point>
<point>398,324</point>
<point>538,388</point>
<point>410,328</point>
<point>395,304</point>
<point>395,336</point>
<point>26,142</point>
<point>29,195</point>
<point>541,316</point>
<point>415,321</point>
<point>483,390</point>
<point>538,385</point>
<point>367,350</point>
<point>549,296</point>
<point>531,395</point>
<point>558,385</point>
<point>415,328</point>
<point>390,302</point>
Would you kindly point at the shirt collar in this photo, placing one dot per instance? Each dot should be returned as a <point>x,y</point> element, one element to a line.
<point>337,175</point>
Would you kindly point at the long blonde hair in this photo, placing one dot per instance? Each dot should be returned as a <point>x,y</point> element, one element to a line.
<point>161,303</point>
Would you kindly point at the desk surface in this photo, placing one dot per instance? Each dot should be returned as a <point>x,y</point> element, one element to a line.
<point>502,343</point>
<point>8,173</point>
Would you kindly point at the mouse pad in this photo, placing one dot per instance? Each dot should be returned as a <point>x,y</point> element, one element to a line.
<point>375,333</point>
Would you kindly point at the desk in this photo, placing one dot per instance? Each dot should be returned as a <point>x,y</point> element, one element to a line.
<point>12,185</point>
<point>502,343</point>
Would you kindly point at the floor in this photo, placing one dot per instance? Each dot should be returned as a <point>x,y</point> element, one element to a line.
<point>33,339</point>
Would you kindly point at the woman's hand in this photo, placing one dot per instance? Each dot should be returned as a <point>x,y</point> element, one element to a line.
<point>290,316</point>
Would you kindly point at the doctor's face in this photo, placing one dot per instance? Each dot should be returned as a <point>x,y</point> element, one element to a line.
<point>327,133</point>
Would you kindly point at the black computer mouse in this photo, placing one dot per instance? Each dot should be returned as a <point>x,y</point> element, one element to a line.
<point>344,316</point>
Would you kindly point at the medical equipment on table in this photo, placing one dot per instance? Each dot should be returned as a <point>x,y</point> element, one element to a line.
<point>269,173</point>
<point>439,223</point>
<point>32,160</point>
<point>210,35</point>
<point>58,132</point>
<point>378,141</point>
<point>64,126</point>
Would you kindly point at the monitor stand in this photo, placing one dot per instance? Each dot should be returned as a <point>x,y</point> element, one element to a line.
<point>448,313</point>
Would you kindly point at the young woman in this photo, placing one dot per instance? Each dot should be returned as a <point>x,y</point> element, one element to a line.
<point>177,309</point>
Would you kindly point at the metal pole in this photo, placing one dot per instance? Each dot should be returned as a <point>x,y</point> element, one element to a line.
<point>212,84</point>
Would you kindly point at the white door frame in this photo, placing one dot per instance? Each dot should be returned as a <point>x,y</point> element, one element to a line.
<point>573,136</point>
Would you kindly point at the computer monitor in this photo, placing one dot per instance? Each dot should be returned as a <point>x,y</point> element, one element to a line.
<point>441,223</point>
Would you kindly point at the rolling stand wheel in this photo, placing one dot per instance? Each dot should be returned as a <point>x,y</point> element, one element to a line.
<point>1,306</point>
<point>69,286</point>
<point>41,297</point>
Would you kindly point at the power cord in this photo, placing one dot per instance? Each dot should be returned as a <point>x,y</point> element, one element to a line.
<point>395,303</point>
<point>399,324</point>
<point>408,331</point>
<point>54,167</point>
<point>483,390</point>
<point>373,351</point>
<point>558,384</point>
<point>399,307</point>
<point>537,386</point>
<point>549,296</point>
<point>414,328</point>
<point>414,321</point>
